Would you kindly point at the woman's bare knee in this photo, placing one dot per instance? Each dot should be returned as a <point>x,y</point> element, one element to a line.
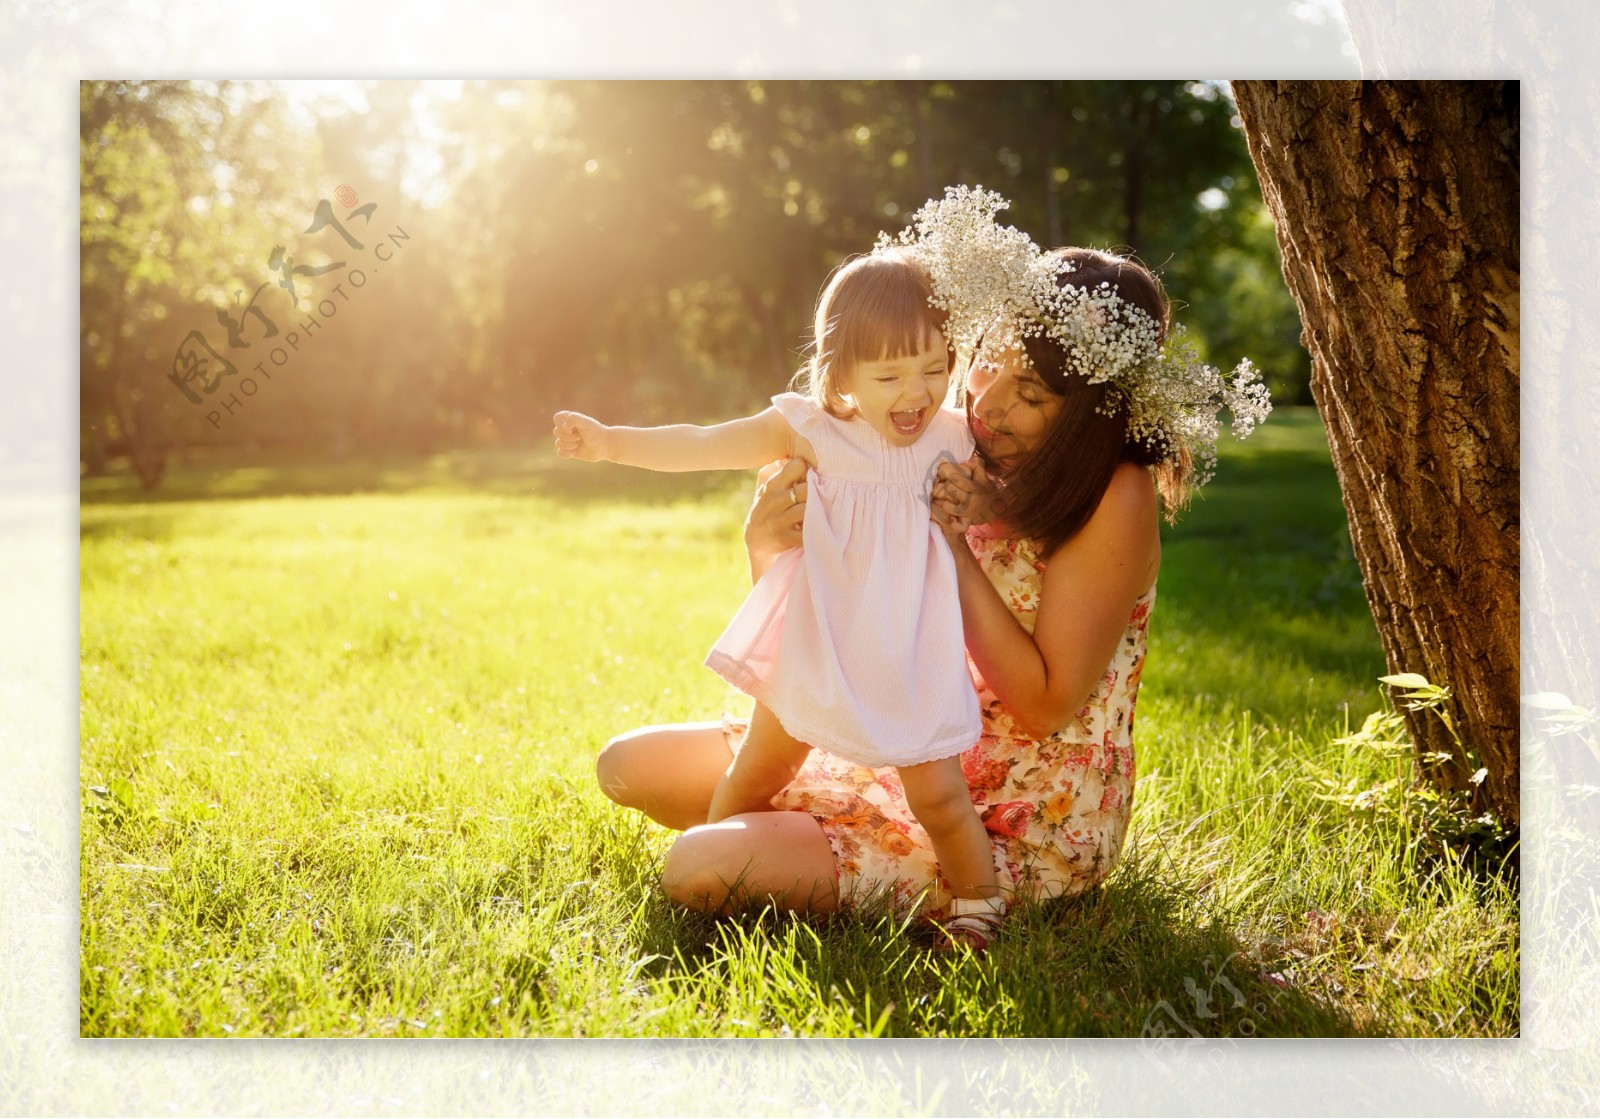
<point>666,772</point>
<point>694,874</point>
<point>759,858</point>
<point>612,770</point>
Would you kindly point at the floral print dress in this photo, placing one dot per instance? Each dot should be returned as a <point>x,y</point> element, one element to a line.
<point>1056,808</point>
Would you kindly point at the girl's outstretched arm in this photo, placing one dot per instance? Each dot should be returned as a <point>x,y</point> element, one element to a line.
<point>736,445</point>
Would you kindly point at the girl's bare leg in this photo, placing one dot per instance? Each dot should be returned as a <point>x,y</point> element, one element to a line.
<point>766,762</point>
<point>666,772</point>
<point>936,793</point>
<point>754,859</point>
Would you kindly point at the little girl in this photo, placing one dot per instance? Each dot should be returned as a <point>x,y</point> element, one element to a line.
<point>852,644</point>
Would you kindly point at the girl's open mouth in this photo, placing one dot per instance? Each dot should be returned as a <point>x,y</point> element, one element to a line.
<point>907,423</point>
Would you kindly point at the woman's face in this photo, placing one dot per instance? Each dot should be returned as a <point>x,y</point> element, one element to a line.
<point>1008,406</point>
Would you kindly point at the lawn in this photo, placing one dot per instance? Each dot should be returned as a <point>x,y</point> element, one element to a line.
<point>339,726</point>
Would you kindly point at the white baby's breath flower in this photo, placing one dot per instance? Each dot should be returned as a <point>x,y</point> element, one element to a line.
<point>998,288</point>
<point>973,262</point>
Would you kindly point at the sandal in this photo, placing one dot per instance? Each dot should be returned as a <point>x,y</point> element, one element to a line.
<point>973,923</point>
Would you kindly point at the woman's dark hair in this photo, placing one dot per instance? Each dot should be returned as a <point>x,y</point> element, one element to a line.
<point>1052,492</point>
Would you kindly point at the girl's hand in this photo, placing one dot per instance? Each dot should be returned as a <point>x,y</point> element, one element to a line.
<point>963,496</point>
<point>773,525</point>
<point>580,437</point>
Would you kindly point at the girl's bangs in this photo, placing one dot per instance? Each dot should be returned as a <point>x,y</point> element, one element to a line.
<point>892,321</point>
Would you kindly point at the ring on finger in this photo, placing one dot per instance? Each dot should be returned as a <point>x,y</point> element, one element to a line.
<point>794,498</point>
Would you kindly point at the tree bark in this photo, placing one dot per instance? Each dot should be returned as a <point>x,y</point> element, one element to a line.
<point>1396,206</point>
<point>1561,402</point>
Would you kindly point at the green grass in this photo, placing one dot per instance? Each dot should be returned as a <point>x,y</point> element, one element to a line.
<point>343,723</point>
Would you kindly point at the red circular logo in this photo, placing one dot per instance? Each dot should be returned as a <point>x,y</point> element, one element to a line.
<point>346,195</point>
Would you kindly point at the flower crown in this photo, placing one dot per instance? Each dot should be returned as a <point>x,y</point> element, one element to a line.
<point>1000,288</point>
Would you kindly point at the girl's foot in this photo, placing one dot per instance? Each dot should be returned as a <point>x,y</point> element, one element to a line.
<point>973,923</point>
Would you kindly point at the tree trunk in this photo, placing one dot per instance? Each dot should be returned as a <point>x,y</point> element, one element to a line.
<point>1135,137</point>
<point>1561,402</point>
<point>1133,193</point>
<point>1396,207</point>
<point>92,411</point>
<point>133,404</point>
<point>777,353</point>
<point>1052,158</point>
<point>925,140</point>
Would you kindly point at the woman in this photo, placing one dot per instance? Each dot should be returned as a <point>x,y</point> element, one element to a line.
<point>1057,577</point>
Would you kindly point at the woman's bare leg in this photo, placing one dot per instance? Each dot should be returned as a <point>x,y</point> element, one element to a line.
<point>768,759</point>
<point>936,793</point>
<point>754,859</point>
<point>666,772</point>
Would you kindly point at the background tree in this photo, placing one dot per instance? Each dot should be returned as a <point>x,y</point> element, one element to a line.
<point>649,250</point>
<point>1397,213</point>
<point>176,188</point>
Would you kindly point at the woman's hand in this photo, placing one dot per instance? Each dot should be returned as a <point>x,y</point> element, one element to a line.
<point>963,496</point>
<point>581,437</point>
<point>773,524</point>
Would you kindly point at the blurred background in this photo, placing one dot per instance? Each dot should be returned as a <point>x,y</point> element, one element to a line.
<point>321,270</point>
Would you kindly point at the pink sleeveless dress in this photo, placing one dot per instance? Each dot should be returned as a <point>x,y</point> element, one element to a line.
<point>854,641</point>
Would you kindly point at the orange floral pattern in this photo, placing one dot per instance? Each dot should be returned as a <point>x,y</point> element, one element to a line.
<point>1056,808</point>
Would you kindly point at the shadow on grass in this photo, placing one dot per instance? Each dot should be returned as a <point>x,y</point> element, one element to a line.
<point>161,526</point>
<point>1122,961</point>
<point>233,476</point>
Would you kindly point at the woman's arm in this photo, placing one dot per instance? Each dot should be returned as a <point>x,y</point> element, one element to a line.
<point>1090,585</point>
<point>773,525</point>
<point>735,445</point>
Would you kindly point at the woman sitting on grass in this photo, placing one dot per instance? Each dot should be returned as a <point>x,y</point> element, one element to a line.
<point>1088,430</point>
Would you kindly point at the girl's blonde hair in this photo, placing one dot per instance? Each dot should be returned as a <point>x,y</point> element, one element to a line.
<point>872,307</point>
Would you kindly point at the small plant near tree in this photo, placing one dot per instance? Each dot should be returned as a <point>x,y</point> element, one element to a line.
<point>1437,821</point>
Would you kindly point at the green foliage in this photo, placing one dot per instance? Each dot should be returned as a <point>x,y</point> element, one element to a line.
<point>1436,821</point>
<point>338,735</point>
<point>647,250</point>
<point>179,184</point>
<point>1241,305</point>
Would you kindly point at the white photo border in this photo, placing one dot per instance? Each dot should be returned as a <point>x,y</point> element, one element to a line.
<point>46,1068</point>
